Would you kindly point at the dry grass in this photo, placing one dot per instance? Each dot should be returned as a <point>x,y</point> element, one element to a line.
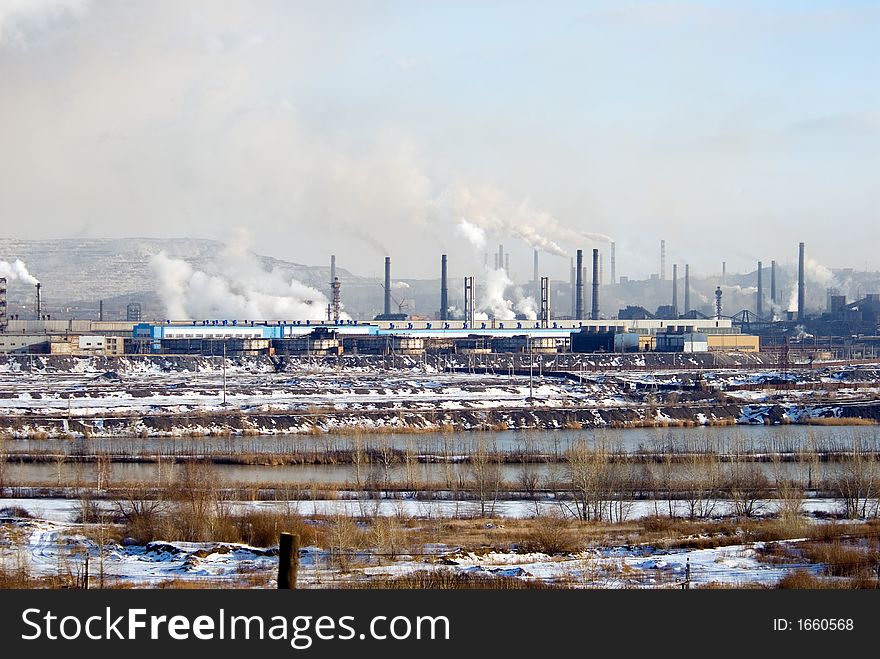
<point>841,421</point>
<point>449,580</point>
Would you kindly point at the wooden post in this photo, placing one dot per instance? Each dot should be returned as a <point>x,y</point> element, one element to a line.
<point>288,560</point>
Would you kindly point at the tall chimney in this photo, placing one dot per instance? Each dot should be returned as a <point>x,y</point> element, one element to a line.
<point>613,265</point>
<point>594,309</point>
<point>38,304</point>
<point>536,279</point>
<point>507,264</point>
<point>675,290</point>
<point>800,307</point>
<point>662,260</point>
<point>759,304</point>
<point>723,269</point>
<point>579,287</point>
<point>773,282</point>
<point>444,291</point>
<point>687,288</point>
<point>100,310</point>
<point>573,291</point>
<point>387,285</point>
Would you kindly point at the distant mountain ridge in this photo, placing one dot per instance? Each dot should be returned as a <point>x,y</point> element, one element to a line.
<point>77,269</point>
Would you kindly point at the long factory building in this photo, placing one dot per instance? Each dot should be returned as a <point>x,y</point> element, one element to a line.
<point>372,337</point>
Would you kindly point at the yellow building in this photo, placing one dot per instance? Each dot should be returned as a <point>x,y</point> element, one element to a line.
<point>734,342</point>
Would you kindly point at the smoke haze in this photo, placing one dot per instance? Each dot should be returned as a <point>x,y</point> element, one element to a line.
<point>368,130</point>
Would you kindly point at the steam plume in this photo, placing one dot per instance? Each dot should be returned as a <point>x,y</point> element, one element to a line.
<point>17,270</point>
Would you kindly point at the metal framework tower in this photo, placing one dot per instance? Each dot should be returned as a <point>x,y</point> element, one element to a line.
<point>469,305</point>
<point>718,303</point>
<point>545,302</point>
<point>4,312</point>
<point>337,300</point>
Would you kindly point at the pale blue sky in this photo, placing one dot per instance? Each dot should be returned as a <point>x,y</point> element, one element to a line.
<point>731,129</point>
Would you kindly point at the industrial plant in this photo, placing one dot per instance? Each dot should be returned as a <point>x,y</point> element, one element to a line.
<point>846,329</point>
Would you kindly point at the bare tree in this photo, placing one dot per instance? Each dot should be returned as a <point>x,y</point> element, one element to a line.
<point>857,480</point>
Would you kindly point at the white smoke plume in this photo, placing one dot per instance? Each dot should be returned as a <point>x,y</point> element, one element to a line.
<point>239,288</point>
<point>17,270</point>
<point>814,273</point>
<point>475,235</point>
<point>402,285</point>
<point>495,305</point>
<point>486,209</point>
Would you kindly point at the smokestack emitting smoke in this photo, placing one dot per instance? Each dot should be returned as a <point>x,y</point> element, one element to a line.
<point>444,292</point>
<point>38,305</point>
<point>759,303</point>
<point>387,285</point>
<point>332,273</point>
<point>594,309</point>
<point>579,287</point>
<point>662,260</point>
<point>773,283</point>
<point>800,285</point>
<point>238,287</point>
<point>613,265</point>
<point>687,287</point>
<point>675,290</point>
<point>17,271</point>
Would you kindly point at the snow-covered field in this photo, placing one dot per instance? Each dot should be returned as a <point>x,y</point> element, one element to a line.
<point>50,544</point>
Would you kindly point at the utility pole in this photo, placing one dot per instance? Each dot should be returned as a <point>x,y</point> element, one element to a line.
<point>224,373</point>
<point>531,365</point>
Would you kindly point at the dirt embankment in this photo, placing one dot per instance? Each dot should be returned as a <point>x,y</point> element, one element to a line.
<point>234,422</point>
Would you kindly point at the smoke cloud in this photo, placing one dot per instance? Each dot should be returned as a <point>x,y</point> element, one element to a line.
<point>475,235</point>
<point>494,303</point>
<point>238,288</point>
<point>17,270</point>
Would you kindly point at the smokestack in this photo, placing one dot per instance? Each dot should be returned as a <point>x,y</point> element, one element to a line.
<point>662,260</point>
<point>759,304</point>
<point>723,269</point>
<point>573,291</point>
<point>38,304</point>
<point>332,271</point>
<point>536,279</point>
<point>800,307</point>
<point>4,317</point>
<point>579,287</point>
<point>773,282</point>
<point>507,264</point>
<point>718,302</point>
<point>387,285</point>
<point>444,292</point>
<point>687,288</point>
<point>101,310</point>
<point>613,265</point>
<point>675,290</point>
<point>594,309</point>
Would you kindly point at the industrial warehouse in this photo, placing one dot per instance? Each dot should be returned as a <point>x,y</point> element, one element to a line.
<point>845,330</point>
